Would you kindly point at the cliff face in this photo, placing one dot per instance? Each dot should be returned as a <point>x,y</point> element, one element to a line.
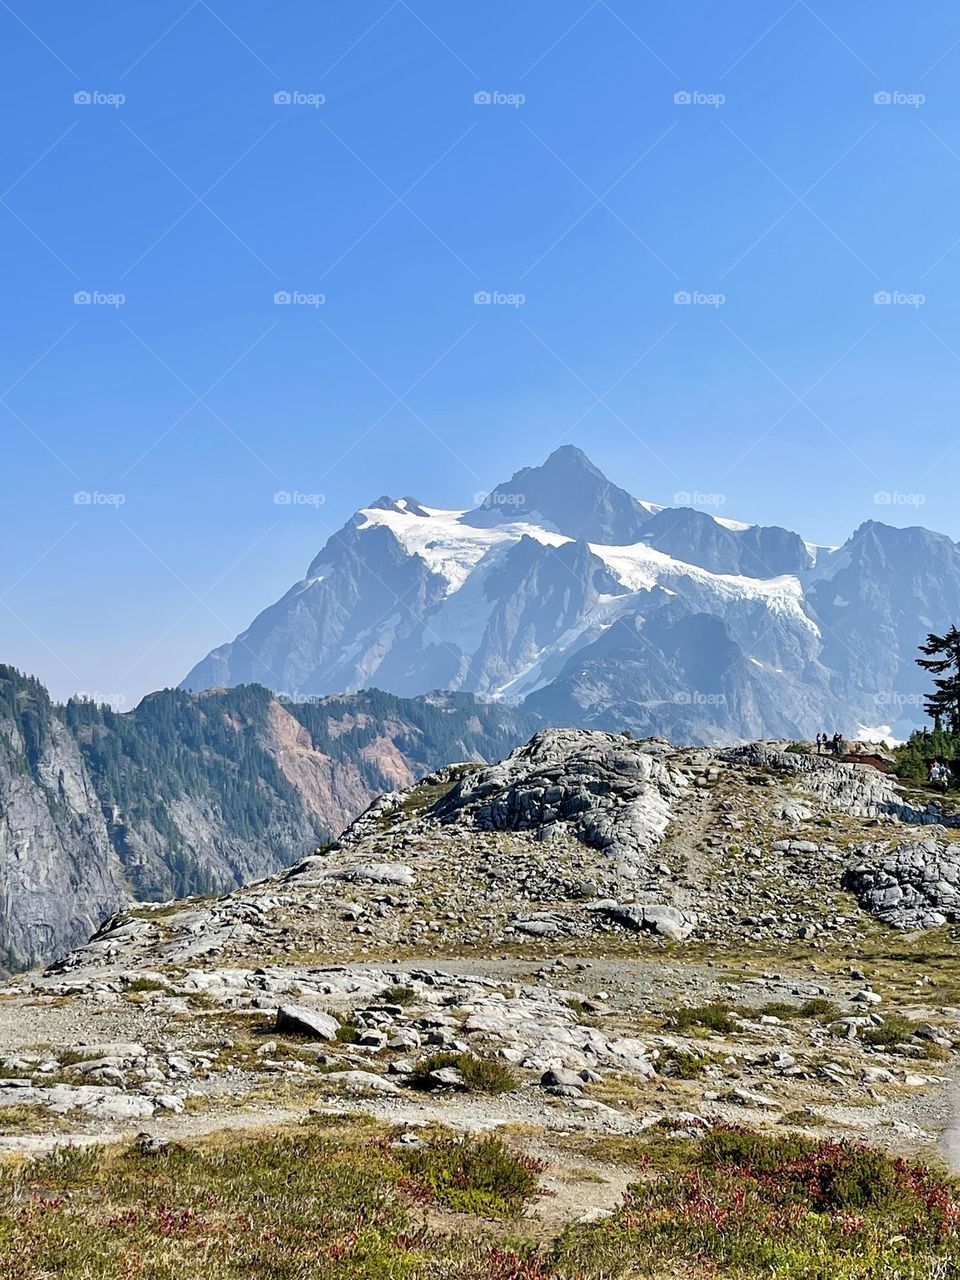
<point>334,792</point>
<point>193,794</point>
<point>59,875</point>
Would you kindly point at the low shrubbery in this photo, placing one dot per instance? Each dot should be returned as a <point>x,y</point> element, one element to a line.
<point>895,1030</point>
<point>340,1200</point>
<point>146,985</point>
<point>682,1064</point>
<point>479,1075</point>
<point>398,995</point>
<point>709,1017</point>
<point>722,1018</point>
<point>739,1204</point>
<point>331,1202</point>
<point>816,1007</point>
<point>475,1175</point>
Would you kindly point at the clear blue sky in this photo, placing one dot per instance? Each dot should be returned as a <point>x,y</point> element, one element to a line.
<point>598,197</point>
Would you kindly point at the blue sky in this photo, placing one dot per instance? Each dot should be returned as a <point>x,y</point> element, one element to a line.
<point>783,187</point>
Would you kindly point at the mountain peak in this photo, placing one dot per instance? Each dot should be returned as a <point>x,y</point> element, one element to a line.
<point>570,457</point>
<point>568,494</point>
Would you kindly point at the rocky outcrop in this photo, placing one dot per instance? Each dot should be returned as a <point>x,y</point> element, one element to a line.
<point>654,917</point>
<point>856,789</point>
<point>612,794</point>
<point>489,947</point>
<point>914,885</point>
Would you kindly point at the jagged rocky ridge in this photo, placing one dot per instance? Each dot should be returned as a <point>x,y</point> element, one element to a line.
<point>580,835</point>
<point>194,794</point>
<point>564,593</point>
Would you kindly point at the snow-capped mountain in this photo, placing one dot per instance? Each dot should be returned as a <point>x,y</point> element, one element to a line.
<point>566,593</point>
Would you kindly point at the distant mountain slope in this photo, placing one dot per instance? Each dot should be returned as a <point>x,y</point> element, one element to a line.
<point>196,793</point>
<point>516,600</point>
<point>59,875</point>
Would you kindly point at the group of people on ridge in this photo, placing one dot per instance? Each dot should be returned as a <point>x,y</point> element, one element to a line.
<point>939,775</point>
<point>830,746</point>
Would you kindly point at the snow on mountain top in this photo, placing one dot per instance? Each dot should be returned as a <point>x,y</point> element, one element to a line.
<point>640,567</point>
<point>449,547</point>
<point>735,526</point>
<point>453,549</point>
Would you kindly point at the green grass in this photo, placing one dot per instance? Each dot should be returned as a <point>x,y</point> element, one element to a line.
<point>817,1007</point>
<point>896,1029</point>
<point>145,984</point>
<point>681,1064</point>
<point>398,995</point>
<point>480,1075</point>
<point>31,1118</point>
<point>707,1017</point>
<point>475,1175</point>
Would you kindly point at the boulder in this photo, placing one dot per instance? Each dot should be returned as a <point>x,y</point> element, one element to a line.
<point>297,1019</point>
<point>653,917</point>
<point>559,1076</point>
<point>361,1082</point>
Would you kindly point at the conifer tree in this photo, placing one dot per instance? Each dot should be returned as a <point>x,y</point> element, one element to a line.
<point>942,660</point>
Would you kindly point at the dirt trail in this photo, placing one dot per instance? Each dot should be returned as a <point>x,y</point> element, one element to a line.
<point>683,845</point>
